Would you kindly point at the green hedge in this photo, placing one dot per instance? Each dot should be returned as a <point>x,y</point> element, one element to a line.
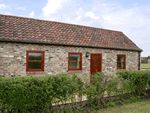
<point>26,94</point>
<point>127,84</point>
<point>135,81</point>
<point>101,86</point>
<point>36,94</point>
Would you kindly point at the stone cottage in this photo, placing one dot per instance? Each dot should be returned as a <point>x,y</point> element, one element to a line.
<point>38,47</point>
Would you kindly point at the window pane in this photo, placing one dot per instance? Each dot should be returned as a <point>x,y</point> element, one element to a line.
<point>34,65</point>
<point>35,56</point>
<point>95,62</point>
<point>120,65</point>
<point>73,65</point>
<point>74,57</point>
<point>121,58</point>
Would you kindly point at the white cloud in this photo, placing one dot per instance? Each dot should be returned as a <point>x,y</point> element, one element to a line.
<point>51,7</point>
<point>8,13</point>
<point>106,17</point>
<point>92,15</point>
<point>31,14</point>
<point>20,8</point>
<point>79,11</point>
<point>5,9</point>
<point>3,6</point>
<point>145,54</point>
<point>78,18</point>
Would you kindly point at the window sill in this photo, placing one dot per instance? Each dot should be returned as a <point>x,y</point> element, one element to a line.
<point>35,72</point>
<point>74,71</point>
<point>121,69</point>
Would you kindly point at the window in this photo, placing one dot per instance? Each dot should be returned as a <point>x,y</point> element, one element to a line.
<point>121,63</point>
<point>75,61</point>
<point>35,61</point>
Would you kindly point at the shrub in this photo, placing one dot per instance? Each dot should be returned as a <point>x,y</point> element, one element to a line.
<point>148,57</point>
<point>127,84</point>
<point>110,104</point>
<point>131,100</point>
<point>134,82</point>
<point>26,94</point>
<point>100,87</point>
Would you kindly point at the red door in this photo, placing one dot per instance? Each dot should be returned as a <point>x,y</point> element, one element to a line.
<point>96,62</point>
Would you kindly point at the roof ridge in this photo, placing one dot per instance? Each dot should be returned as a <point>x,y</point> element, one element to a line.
<point>60,22</point>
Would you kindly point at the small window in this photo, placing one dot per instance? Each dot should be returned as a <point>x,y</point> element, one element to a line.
<point>121,63</point>
<point>35,61</point>
<point>75,61</point>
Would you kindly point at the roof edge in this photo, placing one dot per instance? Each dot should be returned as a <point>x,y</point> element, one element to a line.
<point>55,44</point>
<point>60,22</point>
<point>131,40</point>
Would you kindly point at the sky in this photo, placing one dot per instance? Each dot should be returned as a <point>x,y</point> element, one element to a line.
<point>132,17</point>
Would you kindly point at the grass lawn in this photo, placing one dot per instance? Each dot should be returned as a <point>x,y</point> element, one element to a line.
<point>145,66</point>
<point>138,107</point>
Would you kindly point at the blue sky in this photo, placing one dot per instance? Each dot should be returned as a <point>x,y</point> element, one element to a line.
<point>132,17</point>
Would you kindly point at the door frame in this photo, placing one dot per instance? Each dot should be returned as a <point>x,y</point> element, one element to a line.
<point>91,63</point>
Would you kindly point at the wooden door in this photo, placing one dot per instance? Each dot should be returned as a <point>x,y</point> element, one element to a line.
<point>96,63</point>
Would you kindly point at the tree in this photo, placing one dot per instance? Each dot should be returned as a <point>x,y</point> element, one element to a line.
<point>148,57</point>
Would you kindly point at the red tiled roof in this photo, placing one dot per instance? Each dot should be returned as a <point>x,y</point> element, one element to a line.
<point>20,29</point>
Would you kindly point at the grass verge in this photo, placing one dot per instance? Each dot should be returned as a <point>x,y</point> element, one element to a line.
<point>137,107</point>
<point>145,66</point>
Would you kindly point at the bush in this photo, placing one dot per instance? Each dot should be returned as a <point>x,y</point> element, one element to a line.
<point>101,86</point>
<point>26,94</point>
<point>134,82</point>
<point>131,100</point>
<point>110,104</point>
<point>127,84</point>
<point>148,57</point>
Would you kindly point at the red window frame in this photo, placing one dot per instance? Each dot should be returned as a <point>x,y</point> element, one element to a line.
<point>42,69</point>
<point>80,62</point>
<point>124,62</point>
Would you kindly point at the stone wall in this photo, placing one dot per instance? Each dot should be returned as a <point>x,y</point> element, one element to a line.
<point>13,59</point>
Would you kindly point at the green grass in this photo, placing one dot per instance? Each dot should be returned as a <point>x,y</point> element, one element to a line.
<point>138,107</point>
<point>145,66</point>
